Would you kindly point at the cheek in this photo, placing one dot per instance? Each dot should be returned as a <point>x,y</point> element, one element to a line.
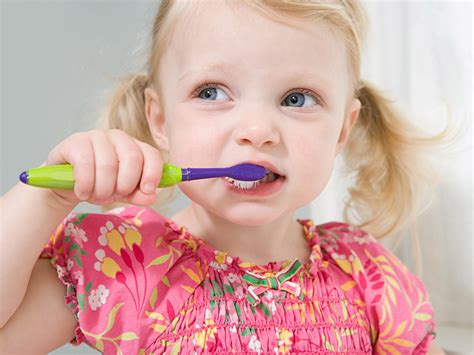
<point>314,158</point>
<point>192,144</point>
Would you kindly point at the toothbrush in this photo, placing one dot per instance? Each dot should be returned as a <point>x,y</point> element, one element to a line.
<point>62,176</point>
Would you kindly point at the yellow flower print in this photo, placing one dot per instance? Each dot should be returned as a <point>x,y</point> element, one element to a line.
<point>114,237</point>
<point>132,236</point>
<point>209,331</point>
<point>349,263</point>
<point>110,267</point>
<point>284,340</point>
<point>101,339</point>
<point>220,257</point>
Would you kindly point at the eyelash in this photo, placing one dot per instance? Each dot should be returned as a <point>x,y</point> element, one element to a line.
<point>204,85</point>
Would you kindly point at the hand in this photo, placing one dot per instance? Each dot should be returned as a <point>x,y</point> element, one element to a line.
<point>109,166</point>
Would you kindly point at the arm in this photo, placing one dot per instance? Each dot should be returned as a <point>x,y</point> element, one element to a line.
<point>42,318</point>
<point>28,216</point>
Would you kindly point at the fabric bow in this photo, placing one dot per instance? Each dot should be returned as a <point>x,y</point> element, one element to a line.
<point>278,281</point>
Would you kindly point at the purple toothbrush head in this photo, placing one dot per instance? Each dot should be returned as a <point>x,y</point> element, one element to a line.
<point>247,172</point>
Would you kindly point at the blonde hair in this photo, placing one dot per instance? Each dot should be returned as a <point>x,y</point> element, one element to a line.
<point>388,156</point>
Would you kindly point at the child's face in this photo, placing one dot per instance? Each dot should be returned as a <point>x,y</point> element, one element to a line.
<point>252,64</point>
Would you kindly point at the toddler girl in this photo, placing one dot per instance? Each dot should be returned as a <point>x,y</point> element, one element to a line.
<point>275,83</point>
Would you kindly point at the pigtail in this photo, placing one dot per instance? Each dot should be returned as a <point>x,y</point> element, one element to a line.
<point>393,164</point>
<point>126,111</point>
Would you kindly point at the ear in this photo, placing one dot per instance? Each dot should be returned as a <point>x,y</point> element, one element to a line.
<point>348,124</point>
<point>155,118</point>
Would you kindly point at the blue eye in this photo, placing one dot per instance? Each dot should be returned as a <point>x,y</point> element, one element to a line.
<point>299,99</point>
<point>211,93</point>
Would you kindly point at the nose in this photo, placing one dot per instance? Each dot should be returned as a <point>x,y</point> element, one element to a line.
<point>257,129</point>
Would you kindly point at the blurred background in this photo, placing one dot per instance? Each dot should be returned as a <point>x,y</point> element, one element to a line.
<point>60,59</point>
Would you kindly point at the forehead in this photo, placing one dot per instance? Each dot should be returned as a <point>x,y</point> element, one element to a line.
<point>232,35</point>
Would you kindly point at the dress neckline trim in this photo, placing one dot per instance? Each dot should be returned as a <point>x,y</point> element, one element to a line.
<point>220,258</point>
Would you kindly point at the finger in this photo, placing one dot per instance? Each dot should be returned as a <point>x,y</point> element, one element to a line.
<point>139,198</point>
<point>130,162</point>
<point>77,150</point>
<point>152,168</point>
<point>106,165</point>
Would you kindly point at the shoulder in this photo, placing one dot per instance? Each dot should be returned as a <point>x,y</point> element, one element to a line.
<point>119,268</point>
<point>396,300</point>
<point>116,229</point>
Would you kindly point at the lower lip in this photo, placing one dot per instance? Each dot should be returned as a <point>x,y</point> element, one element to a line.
<point>266,189</point>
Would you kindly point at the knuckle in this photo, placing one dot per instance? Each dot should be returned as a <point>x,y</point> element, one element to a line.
<point>135,156</point>
<point>83,189</point>
<point>97,133</point>
<point>82,159</point>
<point>124,190</point>
<point>107,165</point>
<point>77,135</point>
<point>116,133</point>
<point>102,195</point>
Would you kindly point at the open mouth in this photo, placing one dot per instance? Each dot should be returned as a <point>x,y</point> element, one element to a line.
<point>269,178</point>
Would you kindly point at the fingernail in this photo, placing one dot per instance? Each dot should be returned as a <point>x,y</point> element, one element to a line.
<point>149,188</point>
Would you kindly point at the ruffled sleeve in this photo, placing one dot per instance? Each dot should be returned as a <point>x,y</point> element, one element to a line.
<point>119,268</point>
<point>397,303</point>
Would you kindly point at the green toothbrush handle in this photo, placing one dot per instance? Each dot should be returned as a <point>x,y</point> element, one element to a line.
<point>62,176</point>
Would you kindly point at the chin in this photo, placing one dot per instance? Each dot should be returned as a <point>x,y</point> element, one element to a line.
<point>248,215</point>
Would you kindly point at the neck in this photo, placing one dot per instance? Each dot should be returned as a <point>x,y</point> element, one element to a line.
<point>279,240</point>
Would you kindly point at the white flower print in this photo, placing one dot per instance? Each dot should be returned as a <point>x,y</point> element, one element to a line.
<point>328,243</point>
<point>61,271</point>
<point>233,317</point>
<point>337,256</point>
<point>70,264</point>
<point>269,299</point>
<point>269,295</point>
<point>76,233</point>
<point>99,254</point>
<point>68,230</point>
<point>208,314</point>
<point>272,307</point>
<point>239,292</point>
<point>361,239</point>
<point>103,231</point>
<point>222,309</point>
<point>79,236</point>
<point>123,228</point>
<point>79,277</point>
<point>232,277</point>
<point>218,267</point>
<point>98,297</point>
<point>255,344</point>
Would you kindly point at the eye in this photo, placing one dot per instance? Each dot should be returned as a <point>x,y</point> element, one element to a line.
<point>302,98</point>
<point>210,92</point>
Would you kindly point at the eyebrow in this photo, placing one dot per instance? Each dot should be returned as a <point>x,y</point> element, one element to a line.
<point>223,67</point>
<point>322,84</point>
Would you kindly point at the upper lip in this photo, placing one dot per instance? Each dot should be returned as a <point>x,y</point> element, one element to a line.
<point>267,165</point>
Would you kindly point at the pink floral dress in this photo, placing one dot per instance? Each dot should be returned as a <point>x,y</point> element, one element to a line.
<point>137,283</point>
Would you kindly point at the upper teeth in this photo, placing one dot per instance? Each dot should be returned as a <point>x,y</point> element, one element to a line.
<point>270,176</point>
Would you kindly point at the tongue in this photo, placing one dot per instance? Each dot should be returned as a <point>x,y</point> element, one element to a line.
<point>268,181</point>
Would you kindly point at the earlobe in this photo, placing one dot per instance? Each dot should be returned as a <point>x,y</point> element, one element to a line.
<point>155,118</point>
